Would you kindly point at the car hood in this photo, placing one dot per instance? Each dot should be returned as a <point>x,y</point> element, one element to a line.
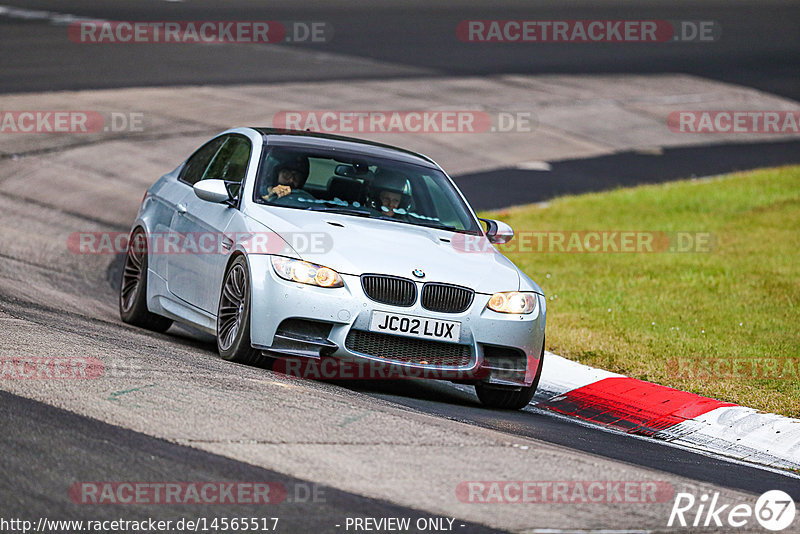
<point>356,245</point>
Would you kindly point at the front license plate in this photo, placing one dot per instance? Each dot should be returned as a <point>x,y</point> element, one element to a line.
<point>411,326</point>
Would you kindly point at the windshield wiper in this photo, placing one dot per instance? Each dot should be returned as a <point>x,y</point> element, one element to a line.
<point>344,211</point>
<point>412,222</point>
<point>438,226</point>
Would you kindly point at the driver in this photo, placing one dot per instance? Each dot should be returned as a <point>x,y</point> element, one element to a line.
<point>389,194</point>
<point>291,173</point>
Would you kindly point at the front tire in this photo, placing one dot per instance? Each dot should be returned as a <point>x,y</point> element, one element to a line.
<point>133,287</point>
<point>233,316</point>
<point>509,398</point>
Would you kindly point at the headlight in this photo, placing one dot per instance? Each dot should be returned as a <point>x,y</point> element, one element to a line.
<point>305,272</point>
<point>513,302</point>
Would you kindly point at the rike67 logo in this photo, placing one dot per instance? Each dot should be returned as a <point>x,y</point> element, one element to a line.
<point>774,510</point>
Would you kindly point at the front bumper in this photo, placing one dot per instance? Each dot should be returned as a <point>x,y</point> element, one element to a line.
<point>492,347</point>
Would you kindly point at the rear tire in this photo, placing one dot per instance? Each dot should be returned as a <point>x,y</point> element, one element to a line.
<point>509,398</point>
<point>133,287</point>
<point>233,316</point>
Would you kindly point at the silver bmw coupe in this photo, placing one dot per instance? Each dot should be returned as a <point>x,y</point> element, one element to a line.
<point>355,257</point>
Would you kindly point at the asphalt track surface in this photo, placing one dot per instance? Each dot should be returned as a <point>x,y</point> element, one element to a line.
<point>514,186</point>
<point>50,448</point>
<point>759,45</point>
<point>90,450</point>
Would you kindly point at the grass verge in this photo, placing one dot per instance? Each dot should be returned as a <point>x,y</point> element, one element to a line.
<point>721,319</point>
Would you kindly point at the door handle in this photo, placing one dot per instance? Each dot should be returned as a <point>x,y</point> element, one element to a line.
<point>181,209</point>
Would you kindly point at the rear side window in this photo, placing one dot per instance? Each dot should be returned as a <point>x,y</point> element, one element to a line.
<point>198,162</point>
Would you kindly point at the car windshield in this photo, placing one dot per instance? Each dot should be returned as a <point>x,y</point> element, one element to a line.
<point>361,186</point>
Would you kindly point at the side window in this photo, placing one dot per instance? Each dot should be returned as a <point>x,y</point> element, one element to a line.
<point>195,168</point>
<point>230,163</point>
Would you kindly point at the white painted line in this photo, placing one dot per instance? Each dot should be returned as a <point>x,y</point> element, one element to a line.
<point>534,166</point>
<point>56,19</point>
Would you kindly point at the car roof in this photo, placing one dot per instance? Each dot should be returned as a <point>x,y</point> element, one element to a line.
<point>283,137</point>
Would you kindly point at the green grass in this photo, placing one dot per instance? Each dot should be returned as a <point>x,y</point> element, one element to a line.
<point>666,316</point>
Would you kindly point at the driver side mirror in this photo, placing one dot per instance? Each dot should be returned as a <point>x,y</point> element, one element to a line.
<point>498,232</point>
<point>212,191</point>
